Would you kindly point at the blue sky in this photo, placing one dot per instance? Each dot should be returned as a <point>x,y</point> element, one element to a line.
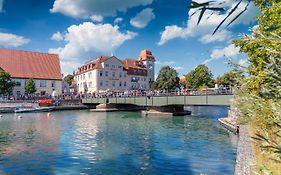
<point>82,29</point>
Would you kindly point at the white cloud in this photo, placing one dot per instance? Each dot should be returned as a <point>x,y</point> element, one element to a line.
<point>118,20</point>
<point>219,36</point>
<point>165,63</point>
<point>11,40</point>
<point>178,68</point>
<point>230,51</point>
<point>55,50</point>
<point>243,62</point>
<point>142,19</point>
<point>208,22</point>
<point>87,8</point>
<point>96,18</point>
<point>57,36</point>
<point>88,38</point>
<point>69,66</point>
<point>1,5</point>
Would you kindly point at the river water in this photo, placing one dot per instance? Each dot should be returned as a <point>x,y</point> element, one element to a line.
<point>82,142</point>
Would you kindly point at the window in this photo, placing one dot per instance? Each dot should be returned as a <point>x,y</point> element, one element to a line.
<point>106,73</point>
<point>18,93</point>
<point>113,66</point>
<point>90,84</point>
<point>101,73</point>
<point>90,75</point>
<point>135,71</point>
<point>119,67</point>
<point>113,74</point>
<point>18,83</point>
<point>125,84</point>
<point>106,65</point>
<point>106,83</point>
<point>113,83</point>
<point>100,83</point>
<point>42,83</point>
<point>53,83</point>
<point>120,74</point>
<point>83,76</point>
<point>125,75</point>
<point>120,84</point>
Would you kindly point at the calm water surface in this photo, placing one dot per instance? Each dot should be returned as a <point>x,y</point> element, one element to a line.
<point>81,142</point>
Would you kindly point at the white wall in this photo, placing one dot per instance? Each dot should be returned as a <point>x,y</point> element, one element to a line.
<point>48,89</point>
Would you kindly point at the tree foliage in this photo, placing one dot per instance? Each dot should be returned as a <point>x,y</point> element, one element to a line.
<point>199,77</point>
<point>259,98</point>
<point>167,79</point>
<point>6,84</point>
<point>232,78</point>
<point>69,78</point>
<point>30,87</point>
<point>264,51</point>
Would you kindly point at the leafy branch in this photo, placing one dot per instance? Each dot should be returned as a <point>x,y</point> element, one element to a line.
<point>211,6</point>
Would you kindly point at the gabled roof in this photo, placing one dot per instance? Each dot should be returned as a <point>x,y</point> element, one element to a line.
<point>26,64</point>
<point>130,63</point>
<point>98,59</point>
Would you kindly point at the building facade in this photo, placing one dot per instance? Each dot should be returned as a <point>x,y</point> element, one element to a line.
<point>112,74</point>
<point>43,68</point>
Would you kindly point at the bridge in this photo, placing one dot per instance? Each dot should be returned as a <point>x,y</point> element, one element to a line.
<point>158,101</point>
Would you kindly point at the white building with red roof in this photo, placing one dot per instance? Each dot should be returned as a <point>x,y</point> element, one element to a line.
<point>43,68</point>
<point>112,74</point>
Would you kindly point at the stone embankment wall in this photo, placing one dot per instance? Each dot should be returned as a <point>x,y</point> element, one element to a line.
<point>244,156</point>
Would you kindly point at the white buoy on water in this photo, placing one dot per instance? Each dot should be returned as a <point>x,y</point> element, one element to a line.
<point>19,117</point>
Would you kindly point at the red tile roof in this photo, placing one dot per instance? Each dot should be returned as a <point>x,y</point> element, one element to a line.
<point>25,64</point>
<point>146,55</point>
<point>130,63</point>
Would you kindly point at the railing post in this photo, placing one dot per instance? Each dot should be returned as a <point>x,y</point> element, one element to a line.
<point>146,100</point>
<point>134,99</point>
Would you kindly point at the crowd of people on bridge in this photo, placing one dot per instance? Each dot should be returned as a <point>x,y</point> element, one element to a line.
<point>132,93</point>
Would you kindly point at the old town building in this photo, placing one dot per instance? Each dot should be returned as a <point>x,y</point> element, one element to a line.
<point>110,73</point>
<point>43,68</point>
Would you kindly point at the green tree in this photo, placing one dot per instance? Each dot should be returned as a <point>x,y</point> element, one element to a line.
<point>201,76</point>
<point>30,87</point>
<point>69,78</point>
<point>232,78</point>
<point>6,84</point>
<point>167,79</point>
<point>259,100</point>
<point>264,52</point>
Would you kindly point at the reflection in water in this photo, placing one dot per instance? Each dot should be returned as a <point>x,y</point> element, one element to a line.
<point>116,143</point>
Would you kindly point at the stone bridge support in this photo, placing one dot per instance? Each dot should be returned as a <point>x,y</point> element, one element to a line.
<point>169,110</point>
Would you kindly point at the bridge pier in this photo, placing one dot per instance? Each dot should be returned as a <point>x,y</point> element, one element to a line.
<point>169,110</point>
<point>108,107</point>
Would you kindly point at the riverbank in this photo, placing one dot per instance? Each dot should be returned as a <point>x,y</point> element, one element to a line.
<point>10,107</point>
